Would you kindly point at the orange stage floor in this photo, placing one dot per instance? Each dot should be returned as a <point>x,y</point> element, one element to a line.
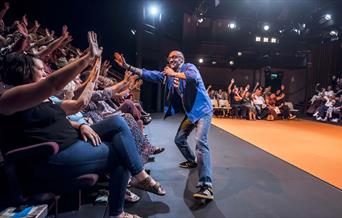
<point>311,146</point>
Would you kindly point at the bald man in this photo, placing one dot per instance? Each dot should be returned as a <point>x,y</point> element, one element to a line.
<point>184,80</point>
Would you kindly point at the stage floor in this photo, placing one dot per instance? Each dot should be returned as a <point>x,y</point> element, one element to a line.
<point>248,182</point>
<point>314,147</point>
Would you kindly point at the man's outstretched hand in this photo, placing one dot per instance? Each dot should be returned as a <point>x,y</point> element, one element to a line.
<point>120,60</point>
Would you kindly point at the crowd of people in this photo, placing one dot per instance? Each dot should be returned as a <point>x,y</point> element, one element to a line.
<point>252,104</point>
<point>52,91</point>
<point>326,104</point>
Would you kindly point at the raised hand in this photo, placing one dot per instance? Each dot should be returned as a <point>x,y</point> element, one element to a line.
<point>94,49</point>
<point>78,51</point>
<point>48,34</point>
<point>36,24</point>
<point>2,24</point>
<point>232,81</point>
<point>128,74</point>
<point>22,29</point>
<point>120,60</point>
<point>6,6</point>
<point>105,68</point>
<point>24,20</point>
<point>65,33</point>
<point>95,72</point>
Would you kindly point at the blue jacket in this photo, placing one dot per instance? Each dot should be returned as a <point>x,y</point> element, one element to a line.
<point>195,99</point>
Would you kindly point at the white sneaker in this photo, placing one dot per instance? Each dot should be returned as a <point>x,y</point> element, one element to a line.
<point>325,119</point>
<point>292,117</point>
<point>334,120</point>
<point>315,114</point>
<point>318,118</point>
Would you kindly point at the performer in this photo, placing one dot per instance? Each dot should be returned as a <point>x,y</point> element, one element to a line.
<point>184,80</point>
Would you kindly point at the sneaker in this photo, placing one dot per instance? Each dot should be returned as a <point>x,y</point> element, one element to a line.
<point>325,119</point>
<point>318,118</point>
<point>291,117</point>
<point>334,120</point>
<point>158,150</point>
<point>188,165</point>
<point>205,192</point>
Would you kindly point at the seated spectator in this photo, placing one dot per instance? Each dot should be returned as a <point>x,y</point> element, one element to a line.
<point>28,117</point>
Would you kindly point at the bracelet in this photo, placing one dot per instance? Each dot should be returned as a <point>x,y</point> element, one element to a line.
<point>79,127</point>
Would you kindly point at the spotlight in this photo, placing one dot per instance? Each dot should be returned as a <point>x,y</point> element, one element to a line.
<point>273,40</point>
<point>296,30</point>
<point>200,20</point>
<point>258,39</point>
<point>214,62</point>
<point>232,25</point>
<point>266,27</point>
<point>133,31</point>
<point>333,33</point>
<point>239,53</point>
<point>231,63</point>
<point>281,31</point>
<point>327,17</point>
<point>200,60</point>
<point>154,10</point>
<point>265,39</point>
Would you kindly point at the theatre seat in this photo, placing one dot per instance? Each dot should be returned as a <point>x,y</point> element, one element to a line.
<point>23,189</point>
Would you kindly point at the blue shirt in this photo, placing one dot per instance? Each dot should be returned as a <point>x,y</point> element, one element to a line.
<point>78,117</point>
<point>195,100</point>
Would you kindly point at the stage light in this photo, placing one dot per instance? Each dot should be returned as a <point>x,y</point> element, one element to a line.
<point>239,53</point>
<point>281,31</point>
<point>258,39</point>
<point>214,62</point>
<point>273,40</point>
<point>231,25</point>
<point>266,27</point>
<point>296,30</point>
<point>200,20</point>
<point>200,60</point>
<point>133,31</point>
<point>333,33</point>
<point>231,63</point>
<point>265,39</point>
<point>327,17</point>
<point>154,10</point>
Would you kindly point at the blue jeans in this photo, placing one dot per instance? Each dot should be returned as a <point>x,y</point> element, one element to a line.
<point>117,156</point>
<point>202,148</point>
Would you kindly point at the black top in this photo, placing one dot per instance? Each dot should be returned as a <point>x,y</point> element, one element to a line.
<point>42,123</point>
<point>282,101</point>
<point>232,99</point>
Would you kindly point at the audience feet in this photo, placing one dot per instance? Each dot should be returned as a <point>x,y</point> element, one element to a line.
<point>188,165</point>
<point>158,150</point>
<point>149,185</point>
<point>205,192</point>
<point>130,197</point>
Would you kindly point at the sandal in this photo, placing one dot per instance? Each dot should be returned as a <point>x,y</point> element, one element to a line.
<point>130,197</point>
<point>128,215</point>
<point>146,186</point>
